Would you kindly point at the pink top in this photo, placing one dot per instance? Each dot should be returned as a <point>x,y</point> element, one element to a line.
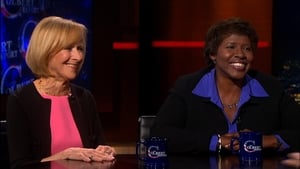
<point>64,131</point>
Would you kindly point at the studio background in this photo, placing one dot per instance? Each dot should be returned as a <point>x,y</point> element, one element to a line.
<point>139,48</point>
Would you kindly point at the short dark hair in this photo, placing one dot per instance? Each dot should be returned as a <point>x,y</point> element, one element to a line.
<point>221,30</point>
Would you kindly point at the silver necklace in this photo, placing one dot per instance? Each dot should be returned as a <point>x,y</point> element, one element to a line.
<point>230,106</point>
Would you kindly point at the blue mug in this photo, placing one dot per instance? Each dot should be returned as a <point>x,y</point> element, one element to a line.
<point>250,146</point>
<point>152,151</point>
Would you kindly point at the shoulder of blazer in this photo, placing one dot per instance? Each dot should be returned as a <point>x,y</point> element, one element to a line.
<point>270,83</point>
<point>28,97</point>
<point>266,80</point>
<point>79,90</point>
<point>190,80</point>
<point>28,93</point>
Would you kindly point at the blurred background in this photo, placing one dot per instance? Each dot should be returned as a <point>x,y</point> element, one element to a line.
<point>138,48</point>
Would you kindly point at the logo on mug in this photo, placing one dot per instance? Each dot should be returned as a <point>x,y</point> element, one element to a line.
<point>249,146</point>
<point>153,152</point>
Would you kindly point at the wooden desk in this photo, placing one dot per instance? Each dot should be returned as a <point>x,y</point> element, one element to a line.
<point>175,162</point>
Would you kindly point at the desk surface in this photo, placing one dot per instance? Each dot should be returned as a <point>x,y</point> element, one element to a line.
<point>174,162</point>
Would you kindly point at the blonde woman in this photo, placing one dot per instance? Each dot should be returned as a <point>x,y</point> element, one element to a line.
<point>51,118</point>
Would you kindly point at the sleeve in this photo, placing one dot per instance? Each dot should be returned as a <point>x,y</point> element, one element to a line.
<point>171,123</point>
<point>287,127</point>
<point>290,116</point>
<point>97,130</point>
<point>213,143</point>
<point>18,129</point>
<point>98,127</point>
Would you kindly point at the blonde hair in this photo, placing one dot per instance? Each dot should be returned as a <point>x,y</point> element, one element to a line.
<point>51,35</point>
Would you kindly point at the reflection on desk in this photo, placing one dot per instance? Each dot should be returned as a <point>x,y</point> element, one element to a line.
<point>226,162</point>
<point>174,162</point>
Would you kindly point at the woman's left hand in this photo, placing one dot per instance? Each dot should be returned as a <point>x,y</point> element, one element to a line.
<point>293,159</point>
<point>106,149</point>
<point>102,153</point>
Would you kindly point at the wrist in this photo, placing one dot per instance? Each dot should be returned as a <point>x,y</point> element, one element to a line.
<point>219,145</point>
<point>278,144</point>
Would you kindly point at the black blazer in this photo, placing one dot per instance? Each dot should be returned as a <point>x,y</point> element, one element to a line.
<point>28,117</point>
<point>189,121</point>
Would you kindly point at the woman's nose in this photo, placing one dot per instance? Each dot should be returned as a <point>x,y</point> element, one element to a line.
<point>240,52</point>
<point>77,54</point>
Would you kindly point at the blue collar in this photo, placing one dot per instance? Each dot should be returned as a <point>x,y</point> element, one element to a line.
<point>206,87</point>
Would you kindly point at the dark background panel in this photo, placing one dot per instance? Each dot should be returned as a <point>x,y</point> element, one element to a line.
<point>286,40</point>
<point>128,83</point>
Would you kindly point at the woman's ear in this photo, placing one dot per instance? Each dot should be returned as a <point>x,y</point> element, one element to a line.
<point>213,58</point>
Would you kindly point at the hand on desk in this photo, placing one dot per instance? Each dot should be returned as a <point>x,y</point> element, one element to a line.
<point>101,153</point>
<point>104,153</point>
<point>293,159</point>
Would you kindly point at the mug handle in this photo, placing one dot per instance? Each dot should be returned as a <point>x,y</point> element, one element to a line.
<point>231,145</point>
<point>137,149</point>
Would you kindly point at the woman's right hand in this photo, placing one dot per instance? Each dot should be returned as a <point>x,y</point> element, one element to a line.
<point>83,154</point>
<point>231,138</point>
<point>226,141</point>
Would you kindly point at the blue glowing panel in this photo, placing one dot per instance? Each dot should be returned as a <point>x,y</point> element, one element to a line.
<point>17,21</point>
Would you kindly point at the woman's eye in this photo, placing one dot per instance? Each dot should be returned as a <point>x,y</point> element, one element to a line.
<point>230,47</point>
<point>80,48</point>
<point>247,48</point>
<point>68,48</point>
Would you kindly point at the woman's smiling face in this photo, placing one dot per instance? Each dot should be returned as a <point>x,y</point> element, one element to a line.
<point>234,57</point>
<point>66,64</point>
